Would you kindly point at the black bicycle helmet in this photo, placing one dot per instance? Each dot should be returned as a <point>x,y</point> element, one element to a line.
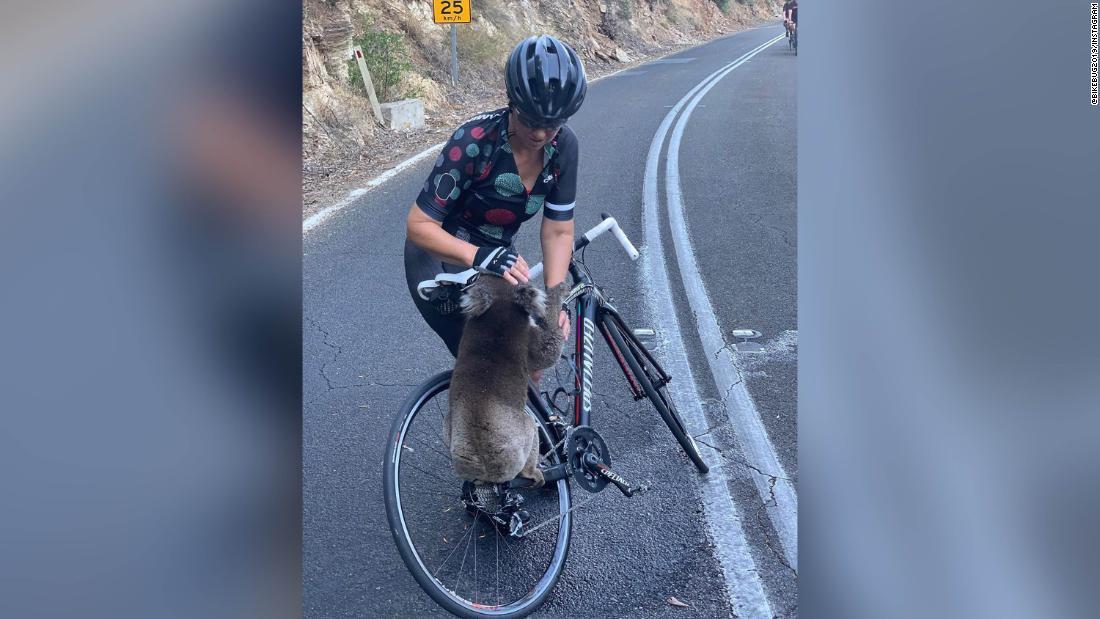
<point>545,80</point>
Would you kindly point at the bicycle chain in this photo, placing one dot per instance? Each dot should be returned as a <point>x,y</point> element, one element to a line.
<point>559,516</point>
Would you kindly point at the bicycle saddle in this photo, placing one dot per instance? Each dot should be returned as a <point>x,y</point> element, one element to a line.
<point>461,280</point>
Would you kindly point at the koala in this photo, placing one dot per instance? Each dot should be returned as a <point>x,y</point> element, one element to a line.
<point>508,334</point>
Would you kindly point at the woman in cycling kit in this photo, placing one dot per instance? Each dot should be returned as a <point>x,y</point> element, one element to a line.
<point>497,171</point>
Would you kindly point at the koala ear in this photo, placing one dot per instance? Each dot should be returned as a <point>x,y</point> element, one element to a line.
<point>532,300</point>
<point>477,300</point>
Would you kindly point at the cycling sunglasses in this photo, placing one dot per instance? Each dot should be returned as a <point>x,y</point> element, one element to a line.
<point>531,124</point>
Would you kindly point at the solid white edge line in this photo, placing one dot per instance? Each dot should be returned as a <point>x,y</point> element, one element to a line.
<point>320,216</point>
<point>743,587</point>
<point>776,491</point>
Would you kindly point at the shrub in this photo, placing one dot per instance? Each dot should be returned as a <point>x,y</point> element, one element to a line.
<point>387,60</point>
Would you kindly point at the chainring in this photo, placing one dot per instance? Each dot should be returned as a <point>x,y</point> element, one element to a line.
<point>583,440</point>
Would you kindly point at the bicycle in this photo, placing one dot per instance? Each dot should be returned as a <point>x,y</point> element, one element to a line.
<point>533,526</point>
<point>792,41</point>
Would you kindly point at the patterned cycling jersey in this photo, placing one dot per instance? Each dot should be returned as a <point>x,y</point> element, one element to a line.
<point>475,189</point>
<point>792,6</point>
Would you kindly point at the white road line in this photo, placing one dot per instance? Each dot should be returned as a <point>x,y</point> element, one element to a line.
<point>314,220</point>
<point>775,488</point>
<point>671,61</point>
<point>743,586</point>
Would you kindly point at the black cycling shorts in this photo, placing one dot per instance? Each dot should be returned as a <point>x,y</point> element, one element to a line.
<point>419,266</point>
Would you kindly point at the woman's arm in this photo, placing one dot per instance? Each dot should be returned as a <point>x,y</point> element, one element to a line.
<point>557,247</point>
<point>429,235</point>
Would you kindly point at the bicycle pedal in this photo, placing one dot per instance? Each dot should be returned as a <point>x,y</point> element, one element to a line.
<point>516,523</point>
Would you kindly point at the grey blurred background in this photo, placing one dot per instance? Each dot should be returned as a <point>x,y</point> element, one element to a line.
<point>949,375</point>
<point>150,251</point>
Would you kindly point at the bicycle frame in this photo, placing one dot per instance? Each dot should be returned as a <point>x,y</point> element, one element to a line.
<point>594,311</point>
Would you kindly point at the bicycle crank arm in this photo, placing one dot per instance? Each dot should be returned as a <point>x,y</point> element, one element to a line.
<point>549,474</point>
<point>605,471</point>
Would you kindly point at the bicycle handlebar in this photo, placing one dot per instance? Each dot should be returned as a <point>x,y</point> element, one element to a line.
<point>425,287</point>
<point>608,223</point>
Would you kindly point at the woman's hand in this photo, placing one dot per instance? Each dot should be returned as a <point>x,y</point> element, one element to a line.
<point>519,273</point>
<point>502,262</point>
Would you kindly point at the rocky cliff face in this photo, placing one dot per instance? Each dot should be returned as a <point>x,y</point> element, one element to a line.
<point>608,34</point>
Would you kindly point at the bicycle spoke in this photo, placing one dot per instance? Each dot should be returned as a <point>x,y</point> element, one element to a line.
<point>435,574</point>
<point>496,545</point>
<point>446,457</point>
<point>474,538</point>
<point>472,535</point>
<point>433,475</point>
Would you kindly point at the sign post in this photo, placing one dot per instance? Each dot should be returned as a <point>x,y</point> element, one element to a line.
<point>452,12</point>
<point>454,55</point>
<point>358,53</point>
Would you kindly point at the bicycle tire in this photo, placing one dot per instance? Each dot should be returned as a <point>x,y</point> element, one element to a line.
<point>638,362</point>
<point>435,589</point>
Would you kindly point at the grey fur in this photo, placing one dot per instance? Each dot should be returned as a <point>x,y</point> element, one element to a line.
<point>532,300</point>
<point>491,438</point>
<point>477,299</point>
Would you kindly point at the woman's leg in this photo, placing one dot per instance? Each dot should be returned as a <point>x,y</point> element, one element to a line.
<point>419,266</point>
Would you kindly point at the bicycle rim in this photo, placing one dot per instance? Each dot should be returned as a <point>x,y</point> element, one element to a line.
<point>465,564</point>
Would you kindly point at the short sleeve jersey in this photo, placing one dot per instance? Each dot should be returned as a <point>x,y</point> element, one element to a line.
<point>475,189</point>
<point>791,6</point>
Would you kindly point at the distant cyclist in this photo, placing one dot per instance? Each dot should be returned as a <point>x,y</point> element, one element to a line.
<point>790,15</point>
<point>498,170</point>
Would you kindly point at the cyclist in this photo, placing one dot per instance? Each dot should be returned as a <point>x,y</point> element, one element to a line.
<point>790,15</point>
<point>497,171</point>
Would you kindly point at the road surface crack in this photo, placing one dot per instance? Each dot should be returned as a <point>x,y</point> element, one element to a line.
<point>768,542</point>
<point>726,396</point>
<point>771,489</point>
<point>712,429</point>
<point>718,449</point>
<point>772,479</point>
<point>726,347</point>
<point>335,347</point>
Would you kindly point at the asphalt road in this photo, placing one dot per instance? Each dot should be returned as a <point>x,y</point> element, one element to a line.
<point>365,348</point>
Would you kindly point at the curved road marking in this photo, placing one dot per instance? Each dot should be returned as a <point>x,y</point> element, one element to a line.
<point>774,487</point>
<point>743,586</point>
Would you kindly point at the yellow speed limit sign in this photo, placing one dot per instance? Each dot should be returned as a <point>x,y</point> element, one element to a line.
<point>452,11</point>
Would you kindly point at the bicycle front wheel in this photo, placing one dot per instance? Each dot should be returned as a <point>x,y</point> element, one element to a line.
<point>467,565</point>
<point>651,378</point>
